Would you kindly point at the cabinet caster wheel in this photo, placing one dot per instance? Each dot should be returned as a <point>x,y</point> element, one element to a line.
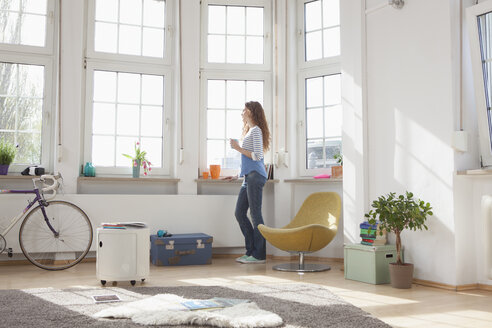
<point>132,282</point>
<point>103,282</point>
<point>143,280</point>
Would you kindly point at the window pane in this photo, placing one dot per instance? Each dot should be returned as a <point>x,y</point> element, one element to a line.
<point>125,145</point>
<point>154,13</point>
<point>234,124</point>
<point>314,125</point>
<point>153,42</point>
<point>312,15</point>
<point>331,13</point>
<point>216,19</point>
<point>236,20</point>
<point>216,94</point>
<point>127,120</point>
<point>21,109</point>
<point>104,86</point>
<point>254,91</point>
<point>215,124</point>
<point>128,88</point>
<point>235,49</point>
<point>106,37</point>
<point>33,30</point>
<point>315,154</point>
<point>333,121</point>
<point>233,158</point>
<point>216,48</point>
<point>103,150</point>
<point>331,42</point>
<point>130,11</point>
<point>129,40</point>
<point>332,147</point>
<point>235,94</point>
<point>254,50</point>
<point>35,6</point>
<point>332,89</point>
<point>314,92</point>
<point>215,152</point>
<point>153,146</point>
<point>152,90</point>
<point>151,124</point>
<point>28,28</point>
<point>103,118</point>
<point>254,21</point>
<point>107,10</point>
<point>313,45</point>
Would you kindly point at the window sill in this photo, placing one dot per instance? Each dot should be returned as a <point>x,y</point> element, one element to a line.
<point>220,181</point>
<point>475,172</point>
<point>17,176</point>
<point>313,180</point>
<point>126,179</point>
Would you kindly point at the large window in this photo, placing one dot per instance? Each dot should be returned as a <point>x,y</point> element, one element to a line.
<point>236,68</point>
<point>320,110</point>
<point>26,75</point>
<point>129,81</point>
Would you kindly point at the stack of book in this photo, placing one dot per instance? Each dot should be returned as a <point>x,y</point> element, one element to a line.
<point>370,235</point>
<point>123,225</point>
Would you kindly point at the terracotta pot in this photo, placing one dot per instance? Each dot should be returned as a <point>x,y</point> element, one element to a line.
<point>215,171</point>
<point>337,171</point>
<point>401,275</point>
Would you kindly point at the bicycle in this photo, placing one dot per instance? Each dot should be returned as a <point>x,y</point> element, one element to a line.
<point>54,235</point>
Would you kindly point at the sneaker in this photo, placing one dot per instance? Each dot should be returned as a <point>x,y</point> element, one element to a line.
<point>239,259</point>
<point>252,260</point>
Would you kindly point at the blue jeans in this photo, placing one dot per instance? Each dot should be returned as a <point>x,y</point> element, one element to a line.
<point>251,196</point>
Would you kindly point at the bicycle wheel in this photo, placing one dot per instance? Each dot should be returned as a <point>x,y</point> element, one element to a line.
<point>3,244</point>
<point>56,252</point>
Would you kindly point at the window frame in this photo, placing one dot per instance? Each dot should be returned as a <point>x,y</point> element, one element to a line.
<point>485,138</point>
<point>168,40</point>
<point>168,113</point>
<point>43,56</point>
<point>301,39</point>
<point>267,34</point>
<point>303,75</point>
<point>232,75</point>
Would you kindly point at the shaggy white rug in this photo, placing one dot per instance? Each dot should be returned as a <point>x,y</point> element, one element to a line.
<point>166,309</point>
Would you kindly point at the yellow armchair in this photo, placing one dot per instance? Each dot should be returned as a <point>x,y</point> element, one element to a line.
<point>314,226</point>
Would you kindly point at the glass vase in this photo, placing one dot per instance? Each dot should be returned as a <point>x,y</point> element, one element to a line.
<point>136,169</point>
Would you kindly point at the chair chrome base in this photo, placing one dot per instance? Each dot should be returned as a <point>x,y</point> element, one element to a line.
<point>305,267</point>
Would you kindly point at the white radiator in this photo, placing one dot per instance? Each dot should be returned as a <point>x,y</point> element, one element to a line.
<point>487,220</point>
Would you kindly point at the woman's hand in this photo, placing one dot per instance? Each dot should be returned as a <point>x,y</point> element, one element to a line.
<point>234,144</point>
<point>230,177</point>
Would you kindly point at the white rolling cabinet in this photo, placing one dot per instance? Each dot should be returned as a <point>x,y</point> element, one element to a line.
<point>123,254</point>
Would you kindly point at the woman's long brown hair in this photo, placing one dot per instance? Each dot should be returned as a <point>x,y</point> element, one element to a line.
<point>258,116</point>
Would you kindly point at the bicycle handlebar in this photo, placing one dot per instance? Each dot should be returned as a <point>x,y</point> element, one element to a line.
<point>51,187</point>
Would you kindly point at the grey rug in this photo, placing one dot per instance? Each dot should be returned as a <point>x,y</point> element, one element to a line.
<point>299,305</point>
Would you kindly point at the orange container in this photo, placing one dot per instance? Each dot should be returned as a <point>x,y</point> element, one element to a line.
<point>205,175</point>
<point>215,171</point>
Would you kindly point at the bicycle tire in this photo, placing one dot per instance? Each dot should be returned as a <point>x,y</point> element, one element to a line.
<point>47,251</point>
<point>3,244</point>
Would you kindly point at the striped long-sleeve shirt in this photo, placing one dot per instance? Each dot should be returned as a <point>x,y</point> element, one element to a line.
<point>253,142</point>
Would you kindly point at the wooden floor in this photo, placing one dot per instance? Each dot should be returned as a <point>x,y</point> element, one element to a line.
<point>416,307</point>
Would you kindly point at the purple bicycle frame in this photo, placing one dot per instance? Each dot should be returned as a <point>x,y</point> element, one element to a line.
<point>39,199</point>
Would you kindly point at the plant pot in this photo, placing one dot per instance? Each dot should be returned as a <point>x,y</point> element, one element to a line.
<point>4,169</point>
<point>401,275</point>
<point>337,171</point>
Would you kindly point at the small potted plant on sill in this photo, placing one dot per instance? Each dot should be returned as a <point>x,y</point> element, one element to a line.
<point>7,155</point>
<point>337,170</point>
<point>139,160</point>
<point>395,214</point>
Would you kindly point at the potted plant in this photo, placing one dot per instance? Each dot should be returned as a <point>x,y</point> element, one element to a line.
<point>395,214</point>
<point>337,170</point>
<point>139,160</point>
<point>7,155</point>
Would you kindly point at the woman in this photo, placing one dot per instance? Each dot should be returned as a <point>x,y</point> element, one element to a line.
<point>256,140</point>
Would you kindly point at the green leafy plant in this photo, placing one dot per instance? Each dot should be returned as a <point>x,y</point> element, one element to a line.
<point>140,158</point>
<point>339,158</point>
<point>7,152</point>
<point>397,213</point>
